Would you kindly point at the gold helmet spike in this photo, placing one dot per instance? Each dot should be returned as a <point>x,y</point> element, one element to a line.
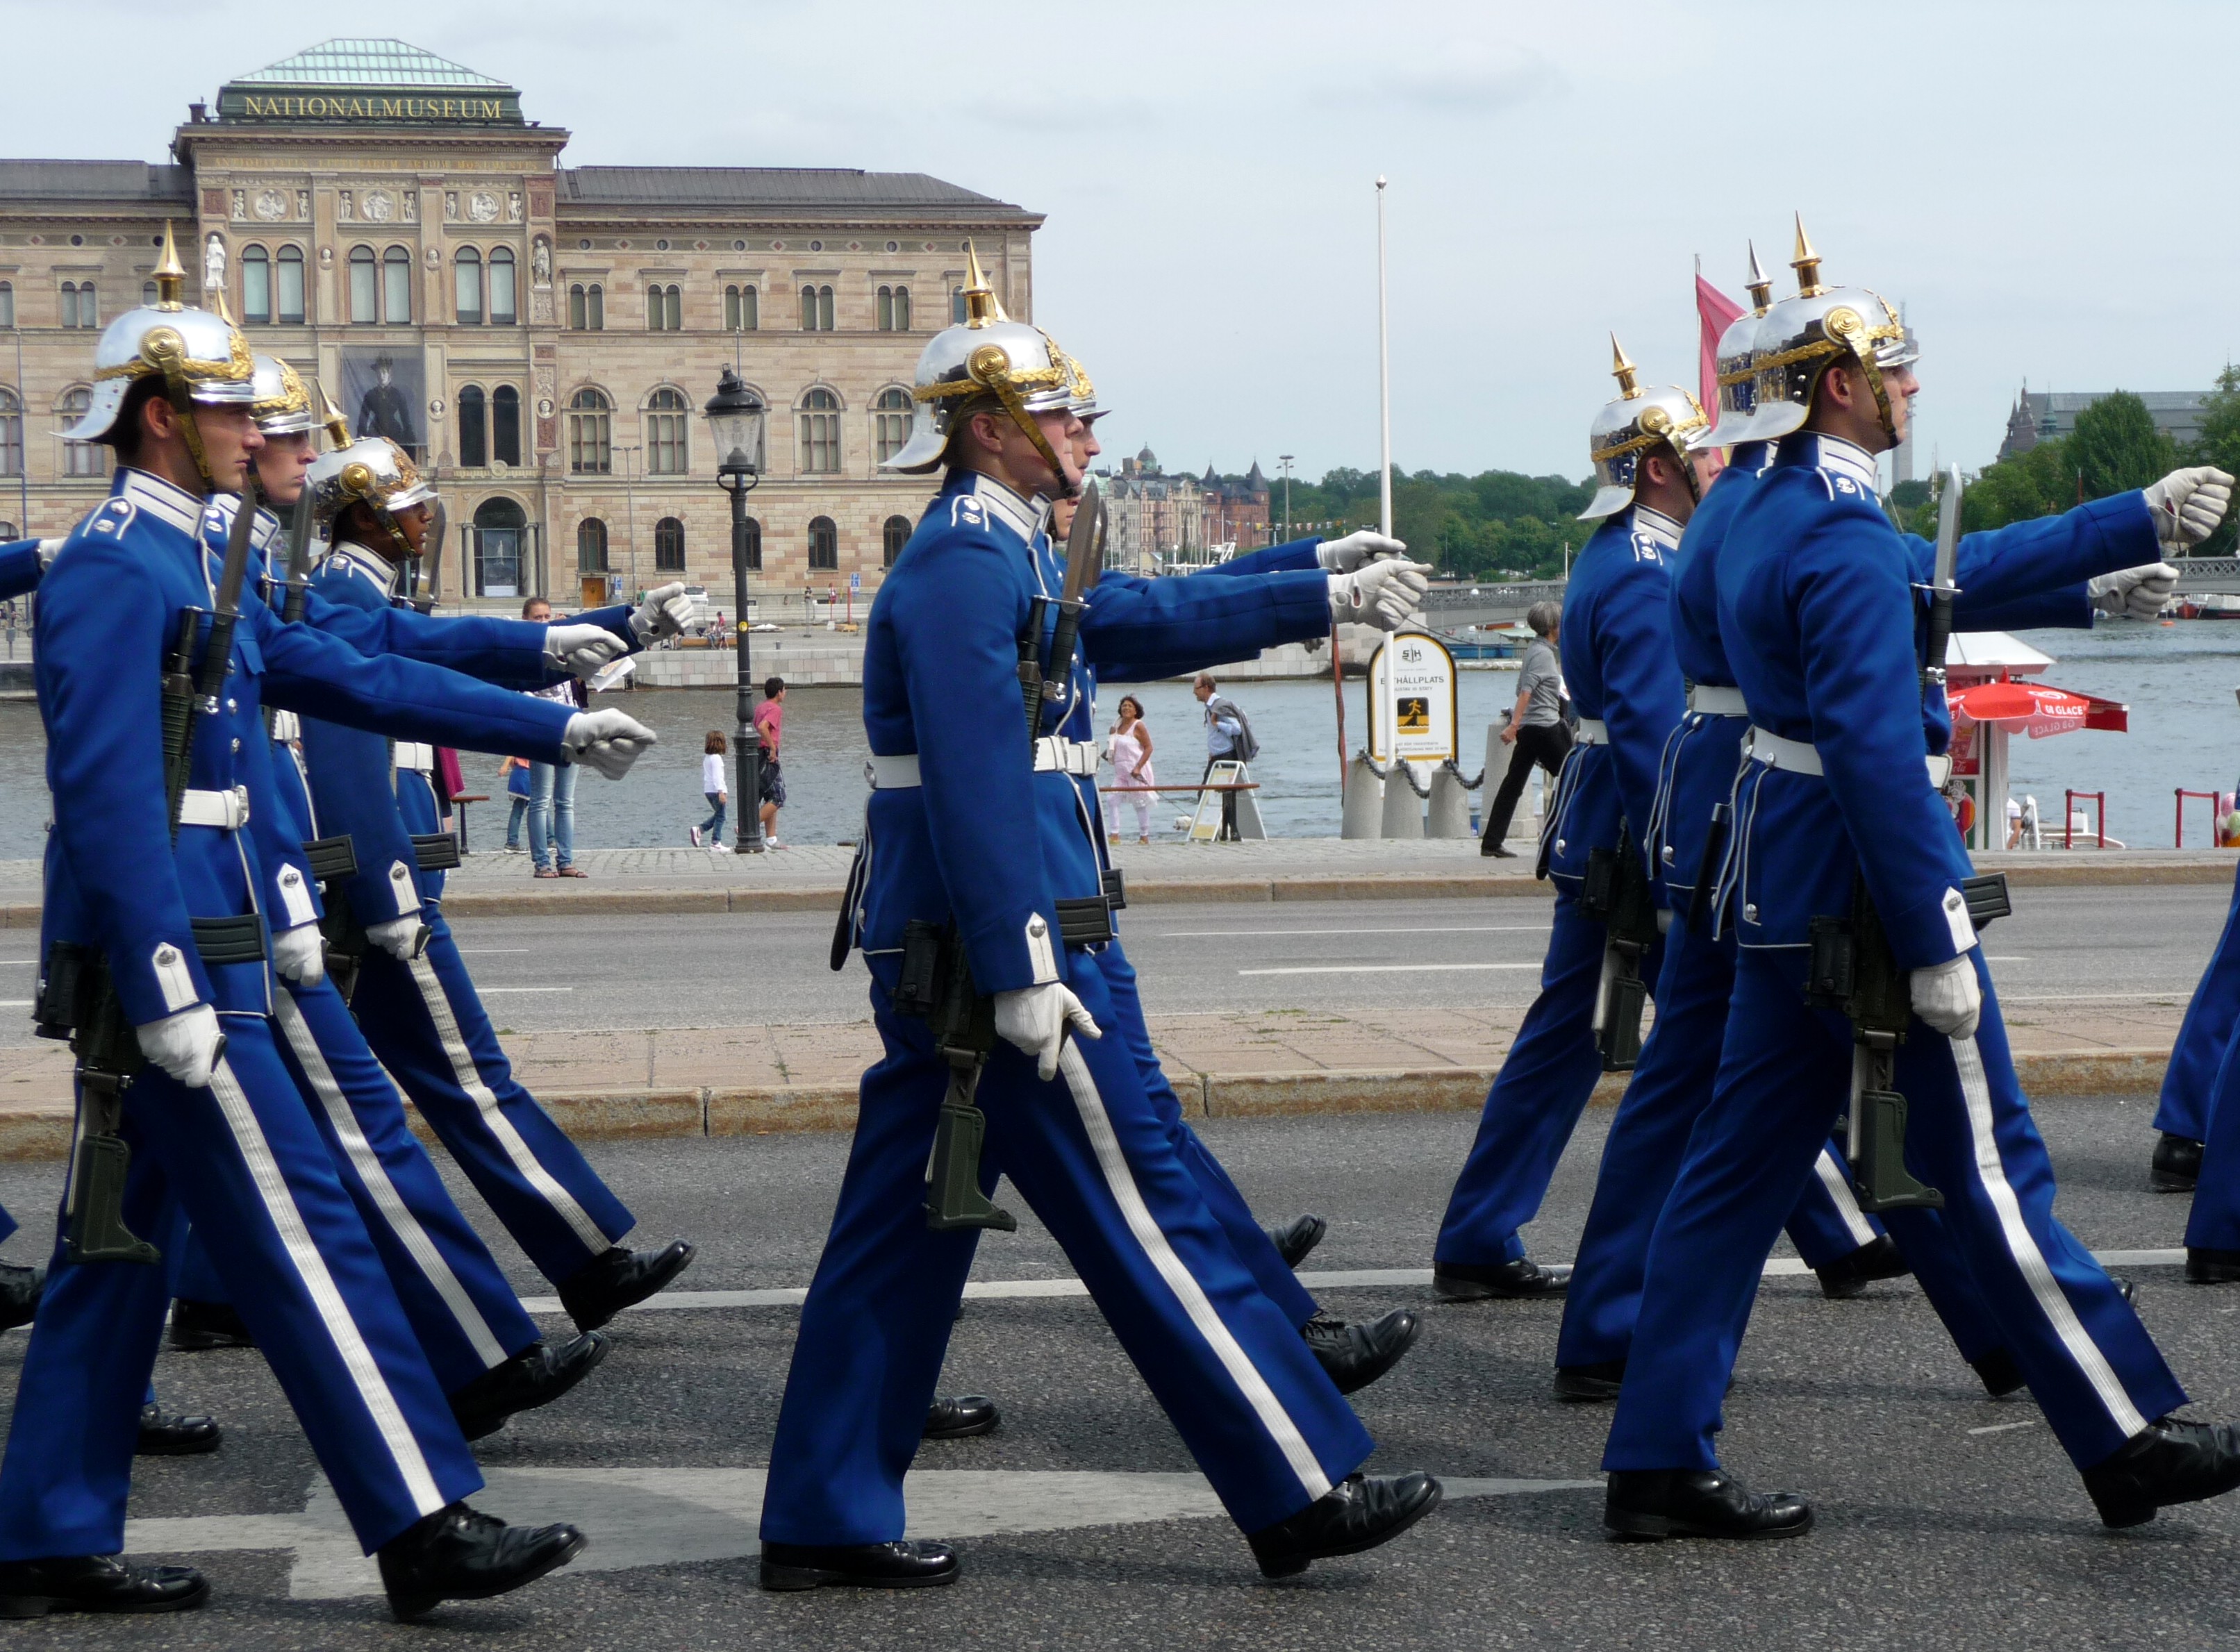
<point>980,304</point>
<point>338,431</point>
<point>1806,264</point>
<point>1628,387</point>
<point>170,279</point>
<point>1760,285</point>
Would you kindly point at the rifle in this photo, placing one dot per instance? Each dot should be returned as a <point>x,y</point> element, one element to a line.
<point>1085,565</point>
<point>423,583</point>
<point>936,986</point>
<point>1617,892</point>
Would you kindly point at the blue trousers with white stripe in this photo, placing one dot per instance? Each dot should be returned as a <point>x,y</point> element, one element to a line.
<point>1783,1075</point>
<point>1648,1139</point>
<point>1544,1081</point>
<point>426,1022</point>
<point>245,1160</point>
<point>2214,1221</point>
<point>2204,1037</point>
<point>1091,1156</point>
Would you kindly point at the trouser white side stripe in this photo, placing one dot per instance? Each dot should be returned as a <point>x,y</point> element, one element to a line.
<point>469,1079</point>
<point>1187,1290</point>
<point>312,1267</point>
<point>1839,1192</point>
<point>1992,1173</point>
<point>386,1199</point>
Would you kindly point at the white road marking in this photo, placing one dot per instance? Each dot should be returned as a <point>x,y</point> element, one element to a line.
<point>15,1003</point>
<point>1466,928</point>
<point>1383,969</point>
<point>491,992</point>
<point>490,952</point>
<point>2004,957</point>
<point>2006,1428</point>
<point>2095,997</point>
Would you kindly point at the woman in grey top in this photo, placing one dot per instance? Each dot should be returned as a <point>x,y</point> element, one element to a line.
<point>1536,731</point>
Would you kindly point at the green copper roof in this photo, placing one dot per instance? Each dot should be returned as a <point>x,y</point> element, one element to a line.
<point>367,62</point>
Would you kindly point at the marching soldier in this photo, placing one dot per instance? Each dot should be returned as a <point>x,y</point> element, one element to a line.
<point>962,638</point>
<point>2204,1037</point>
<point>1839,817</point>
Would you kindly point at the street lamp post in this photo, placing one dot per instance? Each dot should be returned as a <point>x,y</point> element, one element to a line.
<point>1286,459</point>
<point>735,420</point>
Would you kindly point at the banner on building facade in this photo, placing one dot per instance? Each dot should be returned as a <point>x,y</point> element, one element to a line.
<point>386,393</point>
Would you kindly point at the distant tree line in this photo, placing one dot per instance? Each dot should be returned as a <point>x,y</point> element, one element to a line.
<point>1493,525</point>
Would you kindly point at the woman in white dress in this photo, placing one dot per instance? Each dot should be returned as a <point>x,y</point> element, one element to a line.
<point>1130,752</point>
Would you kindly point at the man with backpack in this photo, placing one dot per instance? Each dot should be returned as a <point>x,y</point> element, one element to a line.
<point>1227,739</point>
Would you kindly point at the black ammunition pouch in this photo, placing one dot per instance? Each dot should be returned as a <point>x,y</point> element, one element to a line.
<point>1987,897</point>
<point>1086,922</point>
<point>434,851</point>
<point>234,940</point>
<point>332,857</point>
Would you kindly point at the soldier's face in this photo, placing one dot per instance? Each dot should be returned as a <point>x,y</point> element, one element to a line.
<point>1902,387</point>
<point>281,466</point>
<point>231,444</point>
<point>413,523</point>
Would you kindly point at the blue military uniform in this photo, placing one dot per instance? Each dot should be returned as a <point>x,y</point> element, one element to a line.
<point>1091,1152</point>
<point>2203,1038</point>
<point>241,1156</point>
<point>1819,617</point>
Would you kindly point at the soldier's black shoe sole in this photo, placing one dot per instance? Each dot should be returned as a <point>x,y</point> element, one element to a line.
<point>2176,1164</point>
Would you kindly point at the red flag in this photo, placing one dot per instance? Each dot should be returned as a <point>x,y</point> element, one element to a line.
<point>1714,313</point>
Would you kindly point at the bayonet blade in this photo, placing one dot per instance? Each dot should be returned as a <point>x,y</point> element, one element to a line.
<point>1084,545</point>
<point>431,554</point>
<point>1948,529</point>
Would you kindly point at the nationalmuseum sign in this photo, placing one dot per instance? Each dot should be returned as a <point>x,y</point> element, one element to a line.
<point>369,82</point>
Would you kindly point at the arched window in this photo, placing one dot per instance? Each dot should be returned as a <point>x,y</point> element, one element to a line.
<point>396,286</point>
<point>894,310</point>
<point>79,458</point>
<point>664,309</point>
<point>505,424</point>
<point>500,527</point>
<point>824,543</point>
<point>587,307</point>
<point>957,306</point>
<point>467,267</point>
<point>893,536</point>
<point>288,304</point>
<point>12,434</point>
<point>819,422</point>
<point>590,434</point>
<point>256,285</point>
<point>474,428</point>
<point>501,291</point>
<point>816,309</point>
<point>742,310</point>
<point>364,287</point>
<point>7,304</point>
<point>891,422</point>
<point>148,294</point>
<point>669,546</point>
<point>668,451</point>
<point>751,531</point>
<point>591,545</point>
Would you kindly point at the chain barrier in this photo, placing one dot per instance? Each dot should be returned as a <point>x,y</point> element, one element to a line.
<point>1407,770</point>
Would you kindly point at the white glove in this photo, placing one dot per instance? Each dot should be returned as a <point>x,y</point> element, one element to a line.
<point>1344,556</point>
<point>1383,594</point>
<point>585,650</point>
<point>609,740</point>
<point>663,613</point>
<point>187,1045</point>
<point>1035,1018</point>
<point>1948,996</point>
<point>2139,592</point>
<point>47,550</point>
<point>2188,504</point>
<point>300,954</point>
<point>403,938</point>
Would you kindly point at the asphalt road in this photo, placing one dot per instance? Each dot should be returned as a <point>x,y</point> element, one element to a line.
<point>1947,1520</point>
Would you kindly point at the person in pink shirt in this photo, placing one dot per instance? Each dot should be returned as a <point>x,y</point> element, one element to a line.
<point>770,727</point>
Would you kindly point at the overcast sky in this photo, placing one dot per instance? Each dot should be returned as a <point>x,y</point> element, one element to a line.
<point>2038,182</point>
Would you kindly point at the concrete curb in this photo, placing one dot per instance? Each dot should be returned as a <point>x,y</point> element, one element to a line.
<point>635,1115</point>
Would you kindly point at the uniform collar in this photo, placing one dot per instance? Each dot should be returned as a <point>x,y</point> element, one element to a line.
<point>1832,454</point>
<point>1751,457</point>
<point>365,562</point>
<point>1656,525</point>
<point>218,514</point>
<point>147,492</point>
<point>1023,516</point>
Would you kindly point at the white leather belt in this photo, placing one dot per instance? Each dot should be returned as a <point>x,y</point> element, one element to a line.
<point>286,725</point>
<point>227,810</point>
<point>410,754</point>
<point>1593,731</point>
<point>1799,758</point>
<point>1053,755</point>
<point>1715,701</point>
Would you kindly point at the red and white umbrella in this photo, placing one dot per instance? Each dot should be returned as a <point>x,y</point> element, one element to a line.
<point>2038,708</point>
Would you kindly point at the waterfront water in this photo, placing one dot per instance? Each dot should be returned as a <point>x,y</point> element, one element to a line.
<point>2178,680</point>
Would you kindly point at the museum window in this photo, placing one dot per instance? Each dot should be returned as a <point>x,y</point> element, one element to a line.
<point>502,304</point>
<point>751,532</point>
<point>474,428</point>
<point>816,309</point>
<point>287,298</point>
<point>894,536</point>
<point>501,533</point>
<point>891,422</point>
<point>80,307</point>
<point>823,544</point>
<point>80,458</point>
<point>668,451</point>
<point>669,546</point>
<point>396,286</point>
<point>590,434</point>
<point>819,423</point>
<point>467,267</point>
<point>591,545</point>
<point>894,310</point>
<point>741,309</point>
<point>664,309</point>
<point>505,424</point>
<point>7,304</point>
<point>364,287</point>
<point>148,294</point>
<point>957,306</point>
<point>587,307</point>
<point>256,285</point>
<point>12,434</point>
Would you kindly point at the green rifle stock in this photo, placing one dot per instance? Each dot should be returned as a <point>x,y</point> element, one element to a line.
<point>936,986</point>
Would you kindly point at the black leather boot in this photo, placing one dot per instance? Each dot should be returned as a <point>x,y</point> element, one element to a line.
<point>198,1327</point>
<point>459,1554</point>
<point>179,1436</point>
<point>1296,1238</point>
<point>920,1564</point>
<point>20,1288</point>
<point>617,1279</point>
<point>1356,1515</point>
<point>2170,1461</point>
<point>1356,1355</point>
<point>960,1418</point>
<point>537,1375</point>
<point>1647,1505</point>
<point>2206,1267</point>
<point>1581,1383</point>
<point>96,1583</point>
<point>2175,1166</point>
<point>1463,1281</point>
<point>1849,1276</point>
<point>1999,1373</point>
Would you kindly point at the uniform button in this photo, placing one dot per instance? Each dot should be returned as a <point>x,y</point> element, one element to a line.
<point>1749,914</point>
<point>1559,846</point>
<point>237,745</point>
<point>1668,854</point>
<point>232,706</point>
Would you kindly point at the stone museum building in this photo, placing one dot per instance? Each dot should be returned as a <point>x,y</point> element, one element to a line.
<point>543,336</point>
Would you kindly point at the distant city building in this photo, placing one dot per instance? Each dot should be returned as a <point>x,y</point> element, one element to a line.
<point>1157,521</point>
<point>1237,512</point>
<point>2040,416</point>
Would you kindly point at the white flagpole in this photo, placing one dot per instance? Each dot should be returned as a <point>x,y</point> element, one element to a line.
<point>1387,723</point>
